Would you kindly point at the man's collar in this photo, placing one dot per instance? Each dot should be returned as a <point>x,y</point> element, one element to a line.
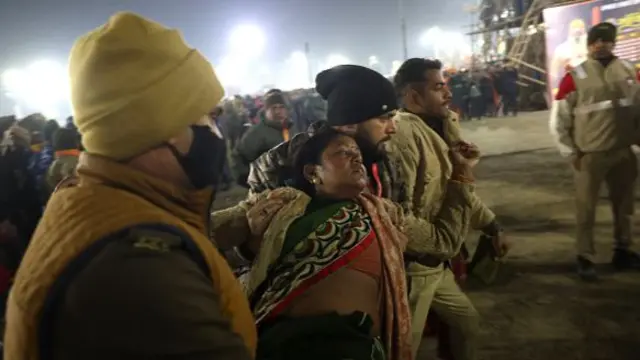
<point>425,118</point>
<point>190,205</point>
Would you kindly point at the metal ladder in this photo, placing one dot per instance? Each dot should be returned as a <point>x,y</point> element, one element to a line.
<point>520,44</point>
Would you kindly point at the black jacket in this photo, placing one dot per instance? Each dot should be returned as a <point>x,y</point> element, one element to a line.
<point>256,141</point>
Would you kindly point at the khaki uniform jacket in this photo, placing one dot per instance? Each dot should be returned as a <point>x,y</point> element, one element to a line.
<point>602,113</point>
<point>141,294</point>
<point>421,160</point>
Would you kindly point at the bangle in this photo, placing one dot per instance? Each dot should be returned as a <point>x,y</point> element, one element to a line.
<point>461,179</point>
<point>238,252</point>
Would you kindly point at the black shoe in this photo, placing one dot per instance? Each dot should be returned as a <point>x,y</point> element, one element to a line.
<point>586,270</point>
<point>625,260</point>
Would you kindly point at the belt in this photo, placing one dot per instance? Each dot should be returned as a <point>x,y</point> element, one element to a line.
<point>425,260</point>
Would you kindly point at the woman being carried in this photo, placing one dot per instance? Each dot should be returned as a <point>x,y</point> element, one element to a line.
<point>327,280</point>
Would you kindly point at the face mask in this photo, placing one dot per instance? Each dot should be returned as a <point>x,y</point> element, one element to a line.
<point>205,160</point>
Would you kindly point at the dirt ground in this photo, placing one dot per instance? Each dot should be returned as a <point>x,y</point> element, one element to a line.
<point>540,310</point>
<point>543,311</point>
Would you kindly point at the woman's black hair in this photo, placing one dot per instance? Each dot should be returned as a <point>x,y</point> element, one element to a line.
<point>311,154</point>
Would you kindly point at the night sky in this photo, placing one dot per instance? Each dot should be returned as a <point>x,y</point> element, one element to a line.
<point>357,28</point>
<point>37,31</point>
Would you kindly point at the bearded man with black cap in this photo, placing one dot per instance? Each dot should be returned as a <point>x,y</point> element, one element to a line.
<point>595,120</point>
<point>361,103</point>
<point>121,265</point>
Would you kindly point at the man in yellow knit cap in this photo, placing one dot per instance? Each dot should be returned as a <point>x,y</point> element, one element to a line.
<point>121,265</point>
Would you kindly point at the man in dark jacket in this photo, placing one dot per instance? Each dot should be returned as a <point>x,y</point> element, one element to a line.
<point>274,128</point>
<point>360,102</point>
<point>41,156</point>
<point>273,168</point>
<point>20,203</point>
<point>509,87</point>
<point>314,108</point>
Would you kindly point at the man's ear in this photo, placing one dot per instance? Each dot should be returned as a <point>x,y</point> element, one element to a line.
<point>407,96</point>
<point>414,95</point>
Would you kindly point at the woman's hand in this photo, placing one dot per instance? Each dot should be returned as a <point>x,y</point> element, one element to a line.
<point>260,215</point>
<point>261,210</point>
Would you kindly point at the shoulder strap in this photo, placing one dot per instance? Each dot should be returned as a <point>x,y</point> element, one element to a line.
<point>580,72</point>
<point>67,182</point>
<point>56,294</point>
<point>629,65</point>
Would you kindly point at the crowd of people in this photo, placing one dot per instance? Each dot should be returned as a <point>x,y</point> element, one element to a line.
<point>277,115</point>
<point>357,210</point>
<point>35,155</point>
<point>485,92</point>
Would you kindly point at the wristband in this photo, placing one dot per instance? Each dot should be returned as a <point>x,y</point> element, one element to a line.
<point>239,253</point>
<point>461,179</point>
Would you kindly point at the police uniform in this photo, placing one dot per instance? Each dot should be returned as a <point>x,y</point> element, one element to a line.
<point>595,121</point>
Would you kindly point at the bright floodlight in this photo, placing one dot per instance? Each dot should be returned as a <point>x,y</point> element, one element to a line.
<point>49,83</point>
<point>41,86</point>
<point>337,59</point>
<point>431,37</point>
<point>454,43</point>
<point>247,41</point>
<point>445,44</point>
<point>12,80</point>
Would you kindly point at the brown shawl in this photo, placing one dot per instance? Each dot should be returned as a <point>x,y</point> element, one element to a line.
<point>386,218</point>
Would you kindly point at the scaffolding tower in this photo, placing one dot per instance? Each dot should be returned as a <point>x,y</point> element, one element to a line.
<point>512,31</point>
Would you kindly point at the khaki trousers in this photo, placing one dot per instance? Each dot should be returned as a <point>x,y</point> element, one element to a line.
<point>440,292</point>
<point>618,169</point>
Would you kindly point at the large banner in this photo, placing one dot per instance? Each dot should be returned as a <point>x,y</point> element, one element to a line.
<point>567,27</point>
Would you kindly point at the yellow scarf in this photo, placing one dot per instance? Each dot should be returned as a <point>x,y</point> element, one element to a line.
<point>36,148</point>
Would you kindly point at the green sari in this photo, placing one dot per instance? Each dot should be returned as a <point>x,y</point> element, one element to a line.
<point>303,242</point>
<point>325,239</point>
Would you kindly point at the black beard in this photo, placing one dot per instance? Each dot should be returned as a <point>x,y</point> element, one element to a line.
<point>371,153</point>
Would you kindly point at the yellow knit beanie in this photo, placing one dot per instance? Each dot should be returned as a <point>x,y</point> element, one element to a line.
<point>136,84</point>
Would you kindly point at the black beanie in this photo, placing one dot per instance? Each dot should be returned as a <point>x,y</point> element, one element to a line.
<point>604,31</point>
<point>274,98</point>
<point>272,91</point>
<point>355,94</point>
